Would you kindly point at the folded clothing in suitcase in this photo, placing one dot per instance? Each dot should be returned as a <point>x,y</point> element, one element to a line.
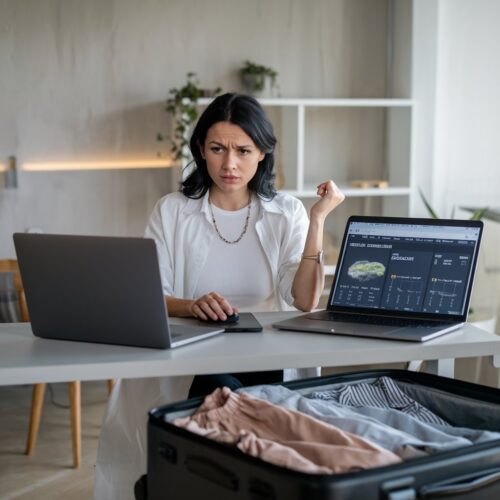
<point>457,462</point>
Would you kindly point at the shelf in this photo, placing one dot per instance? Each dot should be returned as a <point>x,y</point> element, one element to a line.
<point>350,192</point>
<point>312,102</point>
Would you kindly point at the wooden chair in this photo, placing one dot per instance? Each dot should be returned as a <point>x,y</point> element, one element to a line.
<point>10,265</point>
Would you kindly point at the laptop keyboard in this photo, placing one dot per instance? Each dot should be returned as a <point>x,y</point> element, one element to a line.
<point>374,320</point>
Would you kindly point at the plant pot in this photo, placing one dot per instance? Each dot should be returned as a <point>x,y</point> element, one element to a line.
<point>258,85</point>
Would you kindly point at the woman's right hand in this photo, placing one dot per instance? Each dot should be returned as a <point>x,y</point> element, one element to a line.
<point>330,197</point>
<point>212,306</point>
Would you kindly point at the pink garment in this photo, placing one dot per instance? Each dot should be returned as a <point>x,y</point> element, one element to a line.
<point>281,436</point>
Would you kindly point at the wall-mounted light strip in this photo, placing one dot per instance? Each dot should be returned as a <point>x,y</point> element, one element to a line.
<point>3,168</point>
<point>96,165</point>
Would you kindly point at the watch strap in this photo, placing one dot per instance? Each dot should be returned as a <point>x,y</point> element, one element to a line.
<point>317,257</point>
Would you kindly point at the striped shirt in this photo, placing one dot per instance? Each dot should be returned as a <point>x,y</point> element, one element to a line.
<point>382,393</point>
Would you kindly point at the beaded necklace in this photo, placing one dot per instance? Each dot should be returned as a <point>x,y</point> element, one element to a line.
<point>245,227</point>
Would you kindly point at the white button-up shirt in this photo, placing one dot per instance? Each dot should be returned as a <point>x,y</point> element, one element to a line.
<point>183,232</point>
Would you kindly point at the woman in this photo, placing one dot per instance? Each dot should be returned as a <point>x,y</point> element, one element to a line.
<point>227,241</point>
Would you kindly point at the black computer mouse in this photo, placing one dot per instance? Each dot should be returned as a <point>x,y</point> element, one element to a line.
<point>230,320</point>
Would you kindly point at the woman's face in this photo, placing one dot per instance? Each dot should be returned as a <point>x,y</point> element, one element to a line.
<point>232,157</point>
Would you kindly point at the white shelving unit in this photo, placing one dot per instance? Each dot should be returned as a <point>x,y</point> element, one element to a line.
<point>303,168</point>
<point>344,140</point>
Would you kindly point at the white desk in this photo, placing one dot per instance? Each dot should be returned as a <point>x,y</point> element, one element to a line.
<point>25,359</point>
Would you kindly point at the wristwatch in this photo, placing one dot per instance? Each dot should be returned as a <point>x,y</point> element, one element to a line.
<point>318,257</point>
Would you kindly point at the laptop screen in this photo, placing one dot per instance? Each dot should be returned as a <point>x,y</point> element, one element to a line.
<point>425,268</point>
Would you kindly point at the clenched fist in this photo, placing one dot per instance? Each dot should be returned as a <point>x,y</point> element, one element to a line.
<point>330,197</point>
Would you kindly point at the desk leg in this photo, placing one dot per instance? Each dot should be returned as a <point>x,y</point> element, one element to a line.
<point>441,367</point>
<point>496,361</point>
<point>76,421</point>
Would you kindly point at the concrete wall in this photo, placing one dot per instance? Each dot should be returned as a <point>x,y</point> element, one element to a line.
<point>86,80</point>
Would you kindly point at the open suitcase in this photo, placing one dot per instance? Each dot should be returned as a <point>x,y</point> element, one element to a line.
<point>183,465</point>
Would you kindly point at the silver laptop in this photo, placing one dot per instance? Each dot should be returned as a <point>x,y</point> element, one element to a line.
<point>399,278</point>
<point>98,289</point>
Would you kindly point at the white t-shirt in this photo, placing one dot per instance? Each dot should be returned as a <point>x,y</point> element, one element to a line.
<point>240,272</point>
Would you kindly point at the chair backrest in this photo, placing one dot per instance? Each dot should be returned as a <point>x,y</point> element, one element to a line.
<point>10,267</point>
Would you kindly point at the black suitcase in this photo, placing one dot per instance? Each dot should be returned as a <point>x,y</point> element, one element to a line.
<point>182,465</point>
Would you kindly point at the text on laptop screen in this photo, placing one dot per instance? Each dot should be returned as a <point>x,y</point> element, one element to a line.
<point>404,267</point>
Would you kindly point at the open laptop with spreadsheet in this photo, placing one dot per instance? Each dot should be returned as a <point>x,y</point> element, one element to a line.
<point>99,289</point>
<point>399,278</point>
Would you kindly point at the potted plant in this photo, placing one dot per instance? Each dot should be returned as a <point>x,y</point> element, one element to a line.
<point>259,80</point>
<point>477,214</point>
<point>182,105</point>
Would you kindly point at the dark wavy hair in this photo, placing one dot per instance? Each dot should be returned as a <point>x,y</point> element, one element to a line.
<point>247,113</point>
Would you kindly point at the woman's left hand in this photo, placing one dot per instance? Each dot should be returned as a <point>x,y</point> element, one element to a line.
<point>331,197</point>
